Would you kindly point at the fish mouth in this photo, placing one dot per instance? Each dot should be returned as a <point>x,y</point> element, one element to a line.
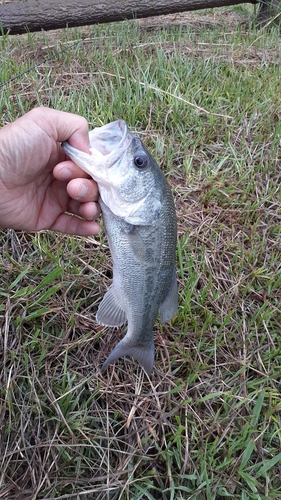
<point>107,145</point>
<point>107,138</point>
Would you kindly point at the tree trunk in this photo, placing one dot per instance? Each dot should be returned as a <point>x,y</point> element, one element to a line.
<point>34,15</point>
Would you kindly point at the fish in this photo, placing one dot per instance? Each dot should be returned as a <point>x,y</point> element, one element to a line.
<point>140,222</point>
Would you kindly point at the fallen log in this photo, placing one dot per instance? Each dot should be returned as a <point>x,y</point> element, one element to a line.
<point>35,15</point>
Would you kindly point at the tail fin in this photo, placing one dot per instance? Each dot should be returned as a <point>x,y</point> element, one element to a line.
<point>143,353</point>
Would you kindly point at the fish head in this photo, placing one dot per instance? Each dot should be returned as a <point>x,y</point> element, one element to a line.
<point>128,177</point>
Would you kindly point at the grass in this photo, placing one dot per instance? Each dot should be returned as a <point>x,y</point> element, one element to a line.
<point>203,92</point>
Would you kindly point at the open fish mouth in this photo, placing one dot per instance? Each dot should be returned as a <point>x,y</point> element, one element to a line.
<point>108,138</point>
<point>107,145</point>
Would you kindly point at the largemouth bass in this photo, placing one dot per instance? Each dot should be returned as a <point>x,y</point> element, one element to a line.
<point>140,222</point>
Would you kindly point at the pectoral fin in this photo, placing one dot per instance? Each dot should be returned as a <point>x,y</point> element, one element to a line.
<point>143,353</point>
<point>110,312</point>
<point>169,306</point>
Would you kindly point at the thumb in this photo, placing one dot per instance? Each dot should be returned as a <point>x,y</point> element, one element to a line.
<point>62,126</point>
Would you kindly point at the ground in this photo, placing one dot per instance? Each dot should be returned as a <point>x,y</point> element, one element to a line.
<point>202,90</point>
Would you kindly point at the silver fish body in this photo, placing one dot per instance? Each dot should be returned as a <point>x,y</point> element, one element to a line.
<point>140,222</point>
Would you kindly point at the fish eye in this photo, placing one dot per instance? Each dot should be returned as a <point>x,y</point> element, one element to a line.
<point>140,160</point>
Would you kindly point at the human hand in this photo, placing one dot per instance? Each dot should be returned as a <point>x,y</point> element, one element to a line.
<point>38,184</point>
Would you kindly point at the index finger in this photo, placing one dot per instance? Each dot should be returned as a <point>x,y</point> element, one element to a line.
<point>68,170</point>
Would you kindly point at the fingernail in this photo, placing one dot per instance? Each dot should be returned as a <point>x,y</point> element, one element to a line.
<point>64,174</point>
<point>82,190</point>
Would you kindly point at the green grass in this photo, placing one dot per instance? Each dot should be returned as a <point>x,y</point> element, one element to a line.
<point>203,92</point>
